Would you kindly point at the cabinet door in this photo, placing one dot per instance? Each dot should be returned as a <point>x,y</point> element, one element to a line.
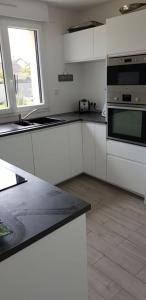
<point>51,155</point>
<point>17,150</point>
<point>127,151</point>
<point>89,149</point>
<point>127,34</point>
<point>100,42</point>
<point>100,138</point>
<point>78,46</point>
<point>126,174</point>
<point>75,149</point>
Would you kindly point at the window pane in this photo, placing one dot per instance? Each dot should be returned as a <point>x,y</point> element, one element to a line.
<point>3,94</point>
<point>25,62</point>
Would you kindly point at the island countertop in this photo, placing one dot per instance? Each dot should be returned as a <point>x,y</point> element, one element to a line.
<point>33,210</point>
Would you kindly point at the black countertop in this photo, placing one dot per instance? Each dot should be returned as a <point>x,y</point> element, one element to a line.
<point>32,210</point>
<point>11,128</point>
<point>86,117</point>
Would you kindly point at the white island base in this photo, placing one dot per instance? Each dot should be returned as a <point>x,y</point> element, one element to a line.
<point>53,268</point>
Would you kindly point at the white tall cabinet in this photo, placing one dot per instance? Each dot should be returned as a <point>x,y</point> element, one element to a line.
<point>126,34</point>
<point>17,150</point>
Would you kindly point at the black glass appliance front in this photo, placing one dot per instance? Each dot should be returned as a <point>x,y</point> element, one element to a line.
<point>131,74</point>
<point>127,124</point>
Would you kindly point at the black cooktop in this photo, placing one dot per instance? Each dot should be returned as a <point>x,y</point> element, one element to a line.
<point>9,179</point>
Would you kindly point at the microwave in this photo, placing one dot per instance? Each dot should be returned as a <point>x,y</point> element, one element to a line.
<point>127,70</point>
<point>126,79</point>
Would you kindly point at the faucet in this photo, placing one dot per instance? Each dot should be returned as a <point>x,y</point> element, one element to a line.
<point>21,119</point>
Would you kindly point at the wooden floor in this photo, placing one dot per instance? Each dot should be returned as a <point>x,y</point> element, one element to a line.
<point>116,234</point>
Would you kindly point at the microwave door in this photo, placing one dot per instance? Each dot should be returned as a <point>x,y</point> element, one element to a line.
<point>126,75</point>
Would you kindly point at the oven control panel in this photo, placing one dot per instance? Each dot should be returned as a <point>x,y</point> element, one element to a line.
<point>124,95</point>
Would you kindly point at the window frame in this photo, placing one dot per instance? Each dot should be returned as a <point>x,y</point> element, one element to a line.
<point>8,69</point>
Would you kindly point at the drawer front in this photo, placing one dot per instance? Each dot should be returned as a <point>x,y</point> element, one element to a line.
<point>127,151</point>
<point>126,174</point>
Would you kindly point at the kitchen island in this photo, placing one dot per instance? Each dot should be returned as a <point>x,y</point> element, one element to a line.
<point>44,257</point>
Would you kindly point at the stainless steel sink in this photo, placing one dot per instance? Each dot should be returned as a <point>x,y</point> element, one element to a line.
<point>45,121</point>
<point>24,123</point>
<point>38,122</point>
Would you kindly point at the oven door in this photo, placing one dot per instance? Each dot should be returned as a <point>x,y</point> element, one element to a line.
<point>132,74</point>
<point>127,124</point>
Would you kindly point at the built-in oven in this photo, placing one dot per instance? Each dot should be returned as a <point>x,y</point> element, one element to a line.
<point>127,124</point>
<point>126,97</point>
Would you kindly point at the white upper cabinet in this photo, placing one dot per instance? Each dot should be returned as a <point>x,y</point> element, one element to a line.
<point>99,47</point>
<point>85,45</point>
<point>127,34</point>
<point>78,46</point>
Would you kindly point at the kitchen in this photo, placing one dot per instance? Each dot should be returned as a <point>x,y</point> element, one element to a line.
<point>93,158</point>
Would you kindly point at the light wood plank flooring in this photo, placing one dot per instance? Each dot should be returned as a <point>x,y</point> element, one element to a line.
<point>116,235</point>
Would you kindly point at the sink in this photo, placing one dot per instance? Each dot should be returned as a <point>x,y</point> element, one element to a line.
<point>45,121</point>
<point>23,123</point>
<point>38,122</point>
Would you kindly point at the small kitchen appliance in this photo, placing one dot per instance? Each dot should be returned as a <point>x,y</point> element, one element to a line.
<point>84,106</point>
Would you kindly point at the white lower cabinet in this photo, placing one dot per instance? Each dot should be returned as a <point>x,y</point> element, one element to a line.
<point>89,151</point>
<point>75,149</point>
<point>94,149</point>
<point>58,152</point>
<point>17,150</point>
<point>51,157</point>
<point>127,174</point>
<point>100,151</point>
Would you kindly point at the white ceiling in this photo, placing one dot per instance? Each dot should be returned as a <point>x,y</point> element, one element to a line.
<point>75,3</point>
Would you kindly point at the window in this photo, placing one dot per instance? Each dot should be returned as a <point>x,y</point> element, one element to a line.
<point>3,93</point>
<point>25,63</point>
<point>20,68</point>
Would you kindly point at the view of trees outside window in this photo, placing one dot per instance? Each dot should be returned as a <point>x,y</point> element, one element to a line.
<point>24,56</point>
<point>3,95</point>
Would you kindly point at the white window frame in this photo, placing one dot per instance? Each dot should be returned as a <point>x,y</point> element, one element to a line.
<point>8,70</point>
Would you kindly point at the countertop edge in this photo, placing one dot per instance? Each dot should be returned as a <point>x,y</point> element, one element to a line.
<point>63,122</point>
<point>43,234</point>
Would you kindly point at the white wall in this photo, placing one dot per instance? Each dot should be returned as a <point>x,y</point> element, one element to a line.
<point>24,9</point>
<point>63,97</point>
<point>93,84</point>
